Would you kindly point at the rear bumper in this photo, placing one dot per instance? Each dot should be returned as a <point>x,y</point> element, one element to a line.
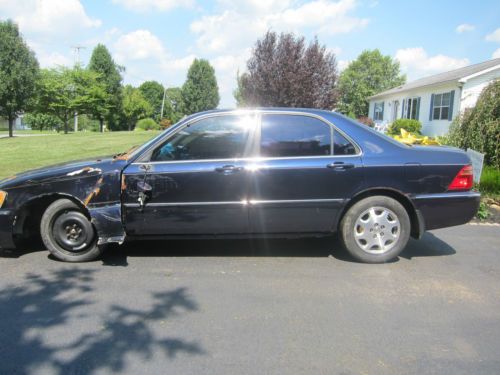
<point>446,209</point>
<point>6,221</point>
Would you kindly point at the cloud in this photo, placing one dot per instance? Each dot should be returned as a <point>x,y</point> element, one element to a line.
<point>154,5</point>
<point>496,54</point>
<point>139,45</point>
<point>494,36</point>
<point>227,34</point>
<point>464,27</point>
<point>49,18</point>
<point>416,63</point>
<point>241,22</point>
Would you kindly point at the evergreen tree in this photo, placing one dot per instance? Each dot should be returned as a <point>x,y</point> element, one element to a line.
<point>200,91</point>
<point>102,63</point>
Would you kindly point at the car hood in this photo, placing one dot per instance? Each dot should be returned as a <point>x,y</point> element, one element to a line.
<point>63,171</point>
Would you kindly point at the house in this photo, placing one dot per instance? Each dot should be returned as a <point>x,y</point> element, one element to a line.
<point>18,124</point>
<point>436,100</point>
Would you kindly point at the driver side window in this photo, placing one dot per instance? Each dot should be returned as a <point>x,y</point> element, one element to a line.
<point>219,137</point>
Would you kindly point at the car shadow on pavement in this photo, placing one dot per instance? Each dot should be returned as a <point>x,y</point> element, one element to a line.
<point>39,308</point>
<point>429,245</point>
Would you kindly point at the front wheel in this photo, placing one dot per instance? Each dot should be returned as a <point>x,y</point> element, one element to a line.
<point>68,234</point>
<point>375,229</point>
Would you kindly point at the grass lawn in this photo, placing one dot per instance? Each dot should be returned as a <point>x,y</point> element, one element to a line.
<point>23,153</point>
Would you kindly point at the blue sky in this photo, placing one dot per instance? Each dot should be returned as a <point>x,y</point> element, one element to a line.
<point>158,39</point>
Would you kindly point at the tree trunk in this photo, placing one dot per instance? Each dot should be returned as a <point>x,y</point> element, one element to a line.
<point>66,125</point>
<point>11,125</point>
<point>101,125</point>
<point>129,126</point>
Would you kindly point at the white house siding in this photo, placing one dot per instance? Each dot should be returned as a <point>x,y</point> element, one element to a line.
<point>473,87</point>
<point>429,127</point>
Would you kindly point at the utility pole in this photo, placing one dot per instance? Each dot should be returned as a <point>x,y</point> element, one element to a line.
<point>76,49</point>
<point>163,101</point>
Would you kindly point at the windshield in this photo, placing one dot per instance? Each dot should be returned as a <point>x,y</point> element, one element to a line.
<point>136,150</point>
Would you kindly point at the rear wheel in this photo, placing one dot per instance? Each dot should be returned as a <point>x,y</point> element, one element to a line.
<point>67,232</point>
<point>375,229</point>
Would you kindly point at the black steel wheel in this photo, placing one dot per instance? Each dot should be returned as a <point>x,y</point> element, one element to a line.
<point>68,234</point>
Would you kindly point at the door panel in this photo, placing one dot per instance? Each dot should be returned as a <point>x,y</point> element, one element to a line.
<point>310,172</point>
<point>196,181</point>
<point>187,198</point>
<point>301,195</point>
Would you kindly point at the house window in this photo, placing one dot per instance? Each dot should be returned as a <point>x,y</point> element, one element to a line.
<point>441,106</point>
<point>411,108</point>
<point>378,114</point>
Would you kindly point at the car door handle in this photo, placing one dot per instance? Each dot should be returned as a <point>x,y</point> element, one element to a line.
<point>340,166</point>
<point>228,169</point>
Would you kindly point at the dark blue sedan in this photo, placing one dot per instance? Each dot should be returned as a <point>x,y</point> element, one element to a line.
<point>245,173</point>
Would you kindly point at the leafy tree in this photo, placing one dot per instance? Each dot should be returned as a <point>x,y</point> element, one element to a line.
<point>63,91</point>
<point>135,106</point>
<point>284,72</point>
<point>369,74</point>
<point>174,105</point>
<point>102,63</point>
<point>18,73</point>
<point>200,91</point>
<point>479,128</point>
<point>153,93</point>
<point>41,121</point>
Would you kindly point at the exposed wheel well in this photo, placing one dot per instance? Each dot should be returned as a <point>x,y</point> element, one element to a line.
<point>401,198</point>
<point>27,225</point>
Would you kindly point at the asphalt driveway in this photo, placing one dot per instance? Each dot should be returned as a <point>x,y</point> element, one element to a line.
<point>255,307</point>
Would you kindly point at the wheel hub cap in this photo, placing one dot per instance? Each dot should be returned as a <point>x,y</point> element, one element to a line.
<point>377,230</point>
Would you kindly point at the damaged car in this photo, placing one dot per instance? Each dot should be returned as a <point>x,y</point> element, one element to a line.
<point>245,173</point>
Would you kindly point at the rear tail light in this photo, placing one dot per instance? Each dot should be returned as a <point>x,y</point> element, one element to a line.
<point>463,180</point>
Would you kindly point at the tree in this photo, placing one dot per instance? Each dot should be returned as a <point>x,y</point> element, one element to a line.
<point>284,72</point>
<point>102,63</point>
<point>18,73</point>
<point>135,106</point>
<point>174,105</point>
<point>369,74</point>
<point>479,128</point>
<point>153,92</point>
<point>63,91</point>
<point>41,121</point>
<point>200,91</point>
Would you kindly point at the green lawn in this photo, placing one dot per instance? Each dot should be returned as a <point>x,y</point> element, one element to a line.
<point>23,153</point>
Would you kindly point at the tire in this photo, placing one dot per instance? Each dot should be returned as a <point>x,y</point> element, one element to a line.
<point>375,229</point>
<point>68,234</point>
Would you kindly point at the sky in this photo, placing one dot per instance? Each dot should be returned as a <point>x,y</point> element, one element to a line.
<point>158,39</point>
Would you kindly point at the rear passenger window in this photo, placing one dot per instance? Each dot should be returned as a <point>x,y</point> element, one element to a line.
<point>293,135</point>
<point>341,146</point>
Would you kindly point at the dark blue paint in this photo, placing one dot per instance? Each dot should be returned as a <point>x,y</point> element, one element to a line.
<point>246,197</point>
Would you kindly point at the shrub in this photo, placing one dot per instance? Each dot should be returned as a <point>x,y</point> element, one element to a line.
<point>490,181</point>
<point>366,121</point>
<point>147,124</point>
<point>412,126</point>
<point>479,128</point>
<point>165,123</point>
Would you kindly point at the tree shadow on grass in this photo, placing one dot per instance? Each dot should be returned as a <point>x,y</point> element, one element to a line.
<point>32,313</point>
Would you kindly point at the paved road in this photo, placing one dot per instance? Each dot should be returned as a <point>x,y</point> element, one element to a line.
<point>247,307</point>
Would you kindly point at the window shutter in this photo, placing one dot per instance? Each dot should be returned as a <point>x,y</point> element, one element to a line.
<point>418,108</point>
<point>383,103</point>
<point>374,110</point>
<point>450,111</point>
<point>403,108</point>
<point>432,107</point>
